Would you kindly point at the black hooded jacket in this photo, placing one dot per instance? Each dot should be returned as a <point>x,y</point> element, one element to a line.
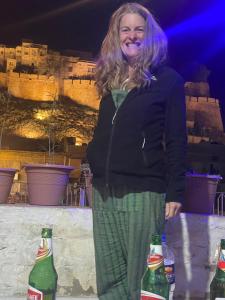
<point>142,144</point>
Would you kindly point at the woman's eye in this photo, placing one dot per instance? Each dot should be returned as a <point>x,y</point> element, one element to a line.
<point>124,30</point>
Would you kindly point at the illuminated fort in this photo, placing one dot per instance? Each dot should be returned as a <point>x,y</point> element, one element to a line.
<point>38,77</point>
<point>206,138</point>
<point>51,74</point>
<point>31,71</point>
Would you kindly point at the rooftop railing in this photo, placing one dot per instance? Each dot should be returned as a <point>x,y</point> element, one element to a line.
<point>79,196</point>
<point>219,204</point>
<point>75,195</point>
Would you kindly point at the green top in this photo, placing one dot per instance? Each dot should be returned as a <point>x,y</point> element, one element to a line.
<point>156,239</point>
<point>222,243</point>
<point>118,96</point>
<point>46,233</point>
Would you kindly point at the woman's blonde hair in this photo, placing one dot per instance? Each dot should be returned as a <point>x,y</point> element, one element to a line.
<point>112,67</point>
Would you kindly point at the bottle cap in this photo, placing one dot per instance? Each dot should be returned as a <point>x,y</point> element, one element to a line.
<point>222,243</point>
<point>46,232</point>
<point>156,239</point>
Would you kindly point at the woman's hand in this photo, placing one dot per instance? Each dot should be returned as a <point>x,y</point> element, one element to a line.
<point>172,209</point>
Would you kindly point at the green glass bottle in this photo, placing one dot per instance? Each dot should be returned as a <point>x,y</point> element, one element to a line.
<point>43,277</point>
<point>217,286</point>
<point>154,283</point>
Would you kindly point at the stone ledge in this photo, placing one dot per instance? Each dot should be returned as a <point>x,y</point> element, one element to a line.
<point>57,298</point>
<point>193,238</point>
<point>20,231</point>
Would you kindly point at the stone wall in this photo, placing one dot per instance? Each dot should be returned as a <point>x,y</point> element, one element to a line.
<point>193,238</point>
<point>83,91</point>
<point>3,80</point>
<point>32,86</point>
<point>45,88</point>
<point>20,231</point>
<point>16,159</point>
<point>204,110</point>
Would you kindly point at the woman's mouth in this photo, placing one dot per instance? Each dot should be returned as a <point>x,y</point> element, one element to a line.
<point>133,44</point>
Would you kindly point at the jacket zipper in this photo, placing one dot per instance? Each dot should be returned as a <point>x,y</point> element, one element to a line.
<point>110,141</point>
<point>109,150</point>
<point>143,148</point>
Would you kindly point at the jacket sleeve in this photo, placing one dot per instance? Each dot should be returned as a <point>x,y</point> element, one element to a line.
<point>176,142</point>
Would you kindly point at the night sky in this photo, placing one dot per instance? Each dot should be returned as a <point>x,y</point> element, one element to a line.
<point>195,28</point>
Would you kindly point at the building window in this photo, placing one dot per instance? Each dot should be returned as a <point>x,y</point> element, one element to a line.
<point>70,69</point>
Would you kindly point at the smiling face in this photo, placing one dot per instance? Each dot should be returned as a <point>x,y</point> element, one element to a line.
<point>131,33</point>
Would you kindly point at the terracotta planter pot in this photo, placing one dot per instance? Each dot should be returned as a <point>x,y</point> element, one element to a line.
<point>200,193</point>
<point>6,180</point>
<point>47,183</point>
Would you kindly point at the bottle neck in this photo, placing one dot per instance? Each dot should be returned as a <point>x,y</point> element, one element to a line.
<point>155,259</point>
<point>221,262</point>
<point>45,249</point>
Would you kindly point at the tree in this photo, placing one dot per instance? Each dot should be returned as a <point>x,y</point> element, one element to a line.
<point>4,100</point>
<point>13,113</point>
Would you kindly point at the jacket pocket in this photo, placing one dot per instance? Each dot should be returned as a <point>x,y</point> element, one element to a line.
<point>152,155</point>
<point>96,158</point>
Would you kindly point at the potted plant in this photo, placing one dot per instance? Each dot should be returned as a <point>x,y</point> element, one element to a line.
<point>47,182</point>
<point>200,192</point>
<point>6,174</point>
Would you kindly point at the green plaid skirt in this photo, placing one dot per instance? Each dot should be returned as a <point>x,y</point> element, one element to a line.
<point>123,224</point>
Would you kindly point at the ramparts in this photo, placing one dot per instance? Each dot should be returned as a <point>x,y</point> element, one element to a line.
<point>206,110</point>
<point>48,88</point>
<point>32,86</point>
<point>83,91</point>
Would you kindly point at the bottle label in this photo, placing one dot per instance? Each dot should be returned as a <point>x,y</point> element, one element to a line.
<point>155,259</point>
<point>169,270</point>
<point>221,261</point>
<point>44,250</point>
<point>145,295</point>
<point>34,294</point>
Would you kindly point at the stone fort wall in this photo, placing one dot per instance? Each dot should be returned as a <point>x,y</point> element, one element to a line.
<point>208,111</point>
<point>83,91</point>
<point>32,86</point>
<point>46,88</point>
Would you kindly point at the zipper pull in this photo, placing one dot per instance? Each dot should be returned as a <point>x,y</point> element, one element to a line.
<point>143,144</point>
<point>114,117</point>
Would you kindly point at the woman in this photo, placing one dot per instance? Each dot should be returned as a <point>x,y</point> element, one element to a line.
<point>137,155</point>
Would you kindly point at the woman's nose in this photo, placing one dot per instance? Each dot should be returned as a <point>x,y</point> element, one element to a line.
<point>132,34</point>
